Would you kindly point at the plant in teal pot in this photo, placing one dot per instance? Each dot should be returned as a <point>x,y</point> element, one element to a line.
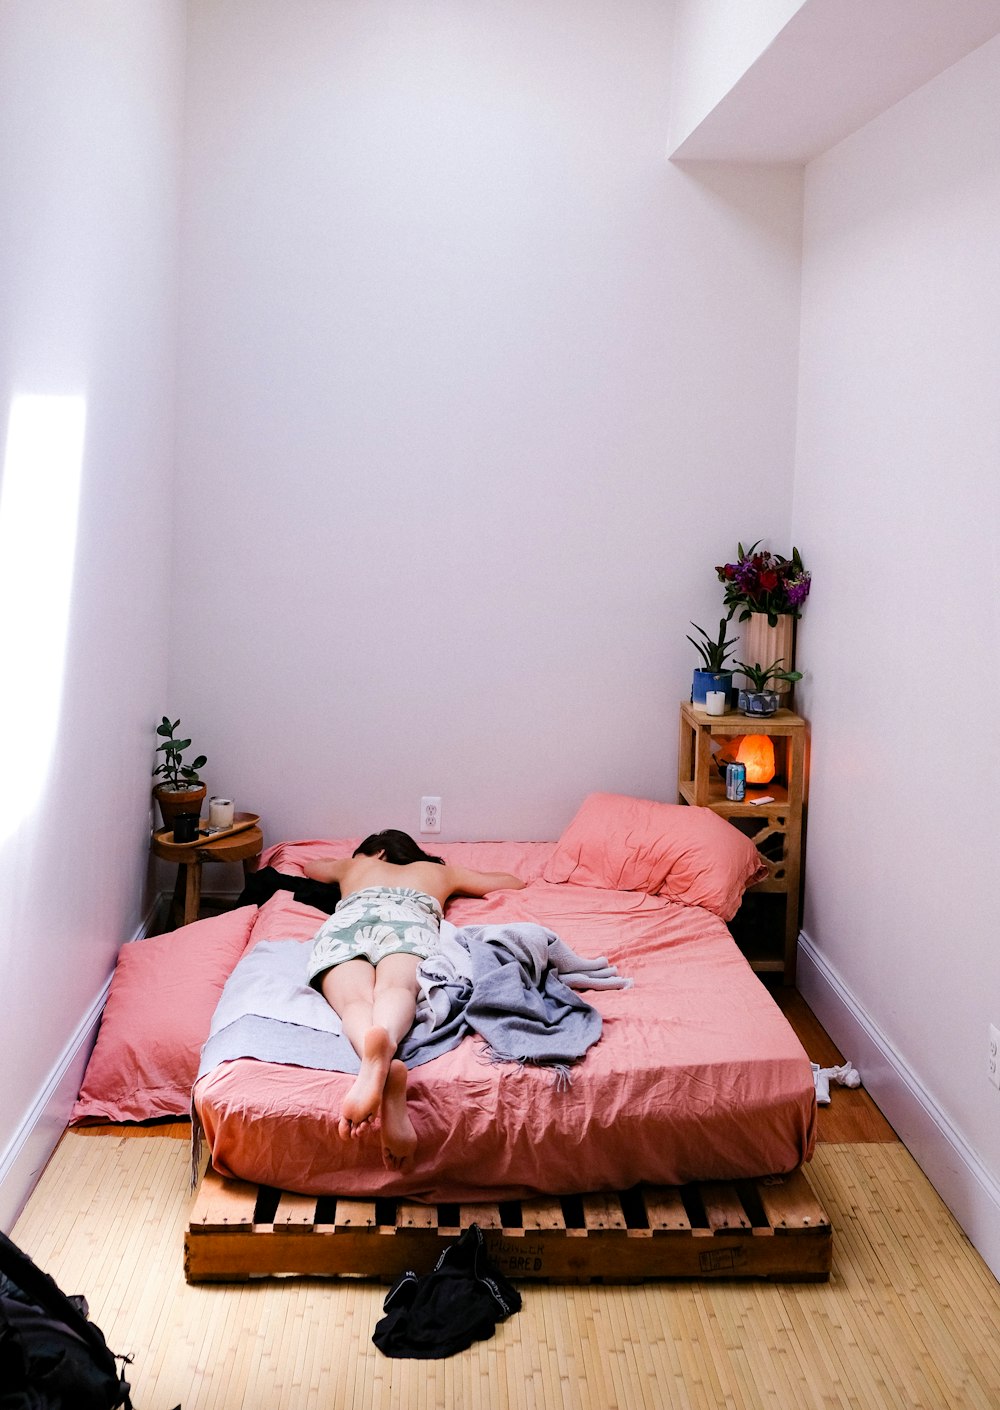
<point>712,675</point>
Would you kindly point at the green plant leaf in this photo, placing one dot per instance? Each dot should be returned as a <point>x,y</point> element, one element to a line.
<point>200,762</point>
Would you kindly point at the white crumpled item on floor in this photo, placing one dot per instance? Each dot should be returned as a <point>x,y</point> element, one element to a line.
<point>845,1076</point>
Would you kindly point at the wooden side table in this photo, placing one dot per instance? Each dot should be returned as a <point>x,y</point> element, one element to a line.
<point>775,827</point>
<point>244,846</point>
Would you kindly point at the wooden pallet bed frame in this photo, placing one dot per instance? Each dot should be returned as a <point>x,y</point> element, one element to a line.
<point>772,1228</point>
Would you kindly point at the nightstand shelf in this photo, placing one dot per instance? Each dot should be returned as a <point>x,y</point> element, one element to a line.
<point>243,844</point>
<point>767,924</point>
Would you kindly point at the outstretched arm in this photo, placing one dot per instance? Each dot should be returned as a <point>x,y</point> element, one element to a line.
<point>467,882</point>
<point>326,868</point>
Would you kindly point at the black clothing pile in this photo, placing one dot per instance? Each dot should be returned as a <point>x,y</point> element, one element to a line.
<point>459,1303</point>
<point>261,886</point>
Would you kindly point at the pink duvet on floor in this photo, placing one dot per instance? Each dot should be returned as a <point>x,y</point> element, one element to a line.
<point>697,1075</point>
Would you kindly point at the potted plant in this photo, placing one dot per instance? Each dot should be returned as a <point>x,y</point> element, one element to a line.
<point>713,675</point>
<point>758,700</point>
<point>182,790</point>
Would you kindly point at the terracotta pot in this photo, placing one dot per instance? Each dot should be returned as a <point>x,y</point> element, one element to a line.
<point>174,801</point>
<point>763,643</point>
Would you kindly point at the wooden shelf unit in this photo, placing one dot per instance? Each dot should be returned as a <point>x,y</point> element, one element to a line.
<point>767,930</point>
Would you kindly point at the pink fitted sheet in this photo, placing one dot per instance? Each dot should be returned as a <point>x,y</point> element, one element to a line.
<point>697,1075</point>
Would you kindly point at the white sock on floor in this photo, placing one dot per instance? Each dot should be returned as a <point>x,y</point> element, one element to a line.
<point>845,1076</point>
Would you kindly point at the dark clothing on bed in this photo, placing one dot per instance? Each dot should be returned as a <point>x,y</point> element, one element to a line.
<point>261,886</point>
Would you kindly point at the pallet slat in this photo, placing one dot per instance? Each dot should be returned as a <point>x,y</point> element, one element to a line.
<point>416,1216</point>
<point>295,1213</point>
<point>224,1244</point>
<point>723,1207</point>
<point>790,1204</point>
<point>355,1214</point>
<point>603,1214</point>
<point>542,1214</point>
<point>224,1204</point>
<point>665,1210</point>
<point>487,1216</point>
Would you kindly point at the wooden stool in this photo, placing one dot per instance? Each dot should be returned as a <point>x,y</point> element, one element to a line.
<point>244,845</point>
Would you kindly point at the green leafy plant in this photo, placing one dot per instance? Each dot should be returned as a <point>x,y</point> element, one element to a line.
<point>760,676</point>
<point>175,773</point>
<point>713,653</point>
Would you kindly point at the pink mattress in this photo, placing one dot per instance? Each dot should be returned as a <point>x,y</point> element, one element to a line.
<point>697,1075</point>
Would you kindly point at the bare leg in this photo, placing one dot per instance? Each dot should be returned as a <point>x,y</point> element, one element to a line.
<point>393,1010</point>
<point>399,1138</point>
<point>349,989</point>
<point>376,1007</point>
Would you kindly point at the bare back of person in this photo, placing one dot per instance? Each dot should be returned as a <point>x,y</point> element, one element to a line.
<point>432,878</point>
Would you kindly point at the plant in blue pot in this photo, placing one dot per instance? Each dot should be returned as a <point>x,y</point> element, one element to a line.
<point>757,699</point>
<point>714,653</point>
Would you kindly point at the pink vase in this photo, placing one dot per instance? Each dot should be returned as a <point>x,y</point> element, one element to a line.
<point>763,643</point>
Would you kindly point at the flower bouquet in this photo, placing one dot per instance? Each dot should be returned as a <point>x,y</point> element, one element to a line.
<point>760,581</point>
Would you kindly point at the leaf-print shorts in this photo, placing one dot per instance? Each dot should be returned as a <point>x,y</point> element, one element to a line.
<point>375,922</point>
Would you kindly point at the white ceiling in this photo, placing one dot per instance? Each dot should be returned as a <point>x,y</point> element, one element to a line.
<point>835,66</point>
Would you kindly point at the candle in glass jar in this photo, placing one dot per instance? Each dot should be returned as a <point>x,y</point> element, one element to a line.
<point>221,812</point>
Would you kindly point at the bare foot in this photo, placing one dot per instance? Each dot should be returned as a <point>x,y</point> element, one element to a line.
<point>399,1139</point>
<point>362,1102</point>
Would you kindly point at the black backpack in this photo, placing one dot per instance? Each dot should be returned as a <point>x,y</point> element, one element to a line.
<point>51,1356</point>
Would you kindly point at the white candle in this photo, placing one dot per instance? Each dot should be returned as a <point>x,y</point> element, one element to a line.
<point>221,812</point>
<point>715,702</point>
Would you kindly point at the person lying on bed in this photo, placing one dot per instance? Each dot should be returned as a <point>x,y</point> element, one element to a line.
<point>364,962</point>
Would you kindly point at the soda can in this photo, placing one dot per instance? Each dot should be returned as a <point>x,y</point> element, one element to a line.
<point>736,782</point>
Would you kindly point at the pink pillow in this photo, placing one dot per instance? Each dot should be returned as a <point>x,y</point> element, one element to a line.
<point>157,1016</point>
<point>689,854</point>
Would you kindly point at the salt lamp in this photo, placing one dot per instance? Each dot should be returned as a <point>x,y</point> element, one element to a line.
<point>757,752</point>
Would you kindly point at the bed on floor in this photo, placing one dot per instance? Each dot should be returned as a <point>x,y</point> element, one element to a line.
<point>697,1079</point>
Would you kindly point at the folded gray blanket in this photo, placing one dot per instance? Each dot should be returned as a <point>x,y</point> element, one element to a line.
<point>514,985</point>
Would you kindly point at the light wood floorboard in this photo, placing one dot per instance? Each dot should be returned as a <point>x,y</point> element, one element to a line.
<point>908,1319</point>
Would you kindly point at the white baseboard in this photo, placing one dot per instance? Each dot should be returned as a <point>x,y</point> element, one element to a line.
<point>29,1149</point>
<point>968,1189</point>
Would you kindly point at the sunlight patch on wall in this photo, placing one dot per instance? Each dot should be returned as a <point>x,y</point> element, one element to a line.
<point>39,504</point>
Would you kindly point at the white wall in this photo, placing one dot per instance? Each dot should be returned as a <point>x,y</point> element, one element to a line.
<point>715,42</point>
<point>475,391</point>
<point>90,97</point>
<point>896,499</point>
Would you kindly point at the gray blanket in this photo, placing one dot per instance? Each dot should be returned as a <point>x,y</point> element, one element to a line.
<point>514,985</point>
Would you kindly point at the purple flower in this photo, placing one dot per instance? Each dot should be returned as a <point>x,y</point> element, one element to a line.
<point>761,581</point>
<point>797,589</point>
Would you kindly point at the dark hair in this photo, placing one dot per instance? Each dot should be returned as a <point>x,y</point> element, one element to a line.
<point>399,848</point>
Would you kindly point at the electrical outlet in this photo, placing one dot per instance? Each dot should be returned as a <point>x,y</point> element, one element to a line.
<point>430,815</point>
<point>994,1062</point>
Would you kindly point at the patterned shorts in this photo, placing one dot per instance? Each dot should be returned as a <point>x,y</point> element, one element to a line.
<point>375,922</point>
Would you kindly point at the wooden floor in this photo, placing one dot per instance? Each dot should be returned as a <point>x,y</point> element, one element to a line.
<point>907,1320</point>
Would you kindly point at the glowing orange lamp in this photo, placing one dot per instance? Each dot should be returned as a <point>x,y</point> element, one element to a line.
<point>757,752</point>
